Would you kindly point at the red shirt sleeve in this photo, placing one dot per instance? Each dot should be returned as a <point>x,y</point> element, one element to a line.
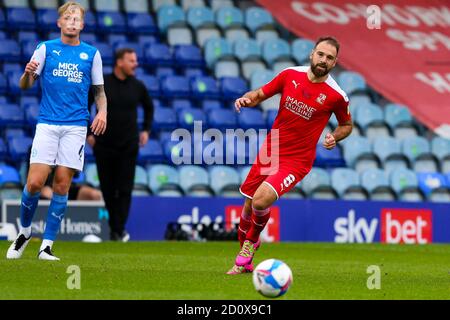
<point>275,85</point>
<point>342,110</point>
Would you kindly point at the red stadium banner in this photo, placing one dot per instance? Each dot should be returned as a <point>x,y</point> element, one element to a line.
<point>401,47</point>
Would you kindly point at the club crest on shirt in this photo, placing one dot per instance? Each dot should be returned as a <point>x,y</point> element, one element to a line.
<point>84,56</point>
<point>321,98</point>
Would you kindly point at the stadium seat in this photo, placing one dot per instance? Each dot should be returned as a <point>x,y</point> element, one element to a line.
<point>152,152</point>
<point>13,132</point>
<point>257,18</point>
<point>202,35</point>
<point>106,5</point>
<point>26,36</point>
<point>217,4</point>
<point>175,87</point>
<point>272,103</point>
<point>376,182</point>
<point>395,114</point>
<point>46,19</point>
<point>440,147</point>
<point>229,17</point>
<point>222,119</point>
<point>260,78</point>
<point>20,19</point>
<point>111,22</point>
<point>186,118</point>
<point>194,180</point>
<point>164,180</point>
<point>3,150</point>
<point>89,38</point>
<point>346,182</point>
<point>216,49</point>
<point>140,187</point>
<point>181,104</point>
<point>247,49</point>
<point>198,17</point>
<point>236,34</point>
<point>3,84</point>
<point>188,55</point>
<point>158,54</point>
<point>414,147</point>
<point>158,4</point>
<point>251,119</point>
<point>226,68</point>
<point>90,22</point>
<point>177,35</point>
<point>45,4</point>
<point>106,52</point>
<point>357,148</point>
<point>276,50</point>
<point>204,87</point>
<point>351,82</point>
<point>426,163</point>
<point>262,36</point>
<point>329,158</point>
<point>169,15</point>
<point>19,148</point>
<point>136,6</point>
<point>233,87</point>
<point>388,150</point>
<point>179,151</point>
<point>11,115</point>
<point>279,66</point>
<point>406,185</point>
<point>301,50</point>
<point>152,85</point>
<point>368,114</point>
<point>187,4</point>
<point>9,176</point>
<point>224,181</point>
<point>10,51</point>
<point>31,113</point>
<point>164,118</point>
<point>2,20</point>
<point>431,181</point>
<point>317,185</point>
<point>132,45</point>
<point>141,23</point>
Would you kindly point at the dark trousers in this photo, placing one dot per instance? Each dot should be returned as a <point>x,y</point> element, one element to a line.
<point>116,168</point>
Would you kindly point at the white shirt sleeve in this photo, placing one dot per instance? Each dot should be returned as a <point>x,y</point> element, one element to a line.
<point>39,56</point>
<point>97,70</point>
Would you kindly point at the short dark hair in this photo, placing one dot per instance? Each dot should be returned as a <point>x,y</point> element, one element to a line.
<point>331,40</point>
<point>121,52</point>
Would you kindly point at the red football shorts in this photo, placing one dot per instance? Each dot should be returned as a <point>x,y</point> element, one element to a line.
<point>281,180</point>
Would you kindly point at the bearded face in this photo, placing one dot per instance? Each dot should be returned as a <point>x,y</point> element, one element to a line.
<point>323,59</point>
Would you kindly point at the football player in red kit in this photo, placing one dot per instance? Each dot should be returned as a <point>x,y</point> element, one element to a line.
<point>309,95</point>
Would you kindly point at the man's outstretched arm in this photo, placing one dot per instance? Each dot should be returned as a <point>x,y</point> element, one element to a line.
<point>250,99</point>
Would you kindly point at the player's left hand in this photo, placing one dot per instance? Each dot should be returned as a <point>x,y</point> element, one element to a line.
<point>98,126</point>
<point>329,142</point>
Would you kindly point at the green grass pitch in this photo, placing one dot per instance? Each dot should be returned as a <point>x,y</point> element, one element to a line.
<point>194,270</point>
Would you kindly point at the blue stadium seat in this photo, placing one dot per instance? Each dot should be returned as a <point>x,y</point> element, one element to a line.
<point>301,50</point>
<point>180,35</point>
<point>440,147</point>
<point>376,182</point>
<point>106,52</point>
<point>395,114</point>
<point>10,51</point>
<point>164,118</point>
<point>188,56</point>
<point>187,4</point>
<point>140,187</point>
<point>19,148</point>
<point>260,78</point>
<point>217,4</point>
<point>198,17</point>
<point>355,147</point>
<point>194,180</point>
<point>346,182</point>
<point>141,23</point>
<point>257,18</point>
<point>181,104</point>
<point>89,38</point>
<point>46,19</point>
<point>275,50</point>
<point>251,119</point>
<point>224,179</point>
<point>175,87</point>
<point>233,87</point>
<point>369,114</point>
<point>317,184</point>
<point>25,36</point>
<point>158,54</point>
<point>152,152</point>
<point>222,119</point>
<point>13,132</point>
<point>329,158</point>
<point>204,87</point>
<point>145,40</point>
<point>389,151</point>
<point>20,19</point>
<point>164,71</point>
<point>211,104</point>
<point>247,49</point>
<point>170,15</point>
<point>31,113</point>
<point>351,82</point>
<point>186,118</point>
<point>13,83</point>
<point>178,152</point>
<point>111,22</point>
<point>132,45</point>
<point>9,176</point>
<point>406,185</point>
<point>136,6</point>
<point>90,22</point>
<point>28,48</point>
<point>3,150</point>
<point>11,115</point>
<point>163,177</point>
<point>106,5</point>
<point>114,39</point>
<point>2,19</point>
<point>430,181</point>
<point>229,17</point>
<point>152,85</point>
<point>414,147</point>
<point>216,49</point>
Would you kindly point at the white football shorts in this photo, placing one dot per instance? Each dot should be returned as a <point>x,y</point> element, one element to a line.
<point>57,145</point>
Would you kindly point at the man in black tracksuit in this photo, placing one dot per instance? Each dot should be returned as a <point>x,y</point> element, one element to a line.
<point>116,151</point>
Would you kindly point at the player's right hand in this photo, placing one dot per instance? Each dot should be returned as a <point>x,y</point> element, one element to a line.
<point>241,102</point>
<point>31,67</point>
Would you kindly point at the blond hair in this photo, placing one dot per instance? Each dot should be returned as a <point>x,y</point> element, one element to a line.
<point>68,6</point>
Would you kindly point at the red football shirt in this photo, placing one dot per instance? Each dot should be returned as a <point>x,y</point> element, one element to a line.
<point>305,108</point>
